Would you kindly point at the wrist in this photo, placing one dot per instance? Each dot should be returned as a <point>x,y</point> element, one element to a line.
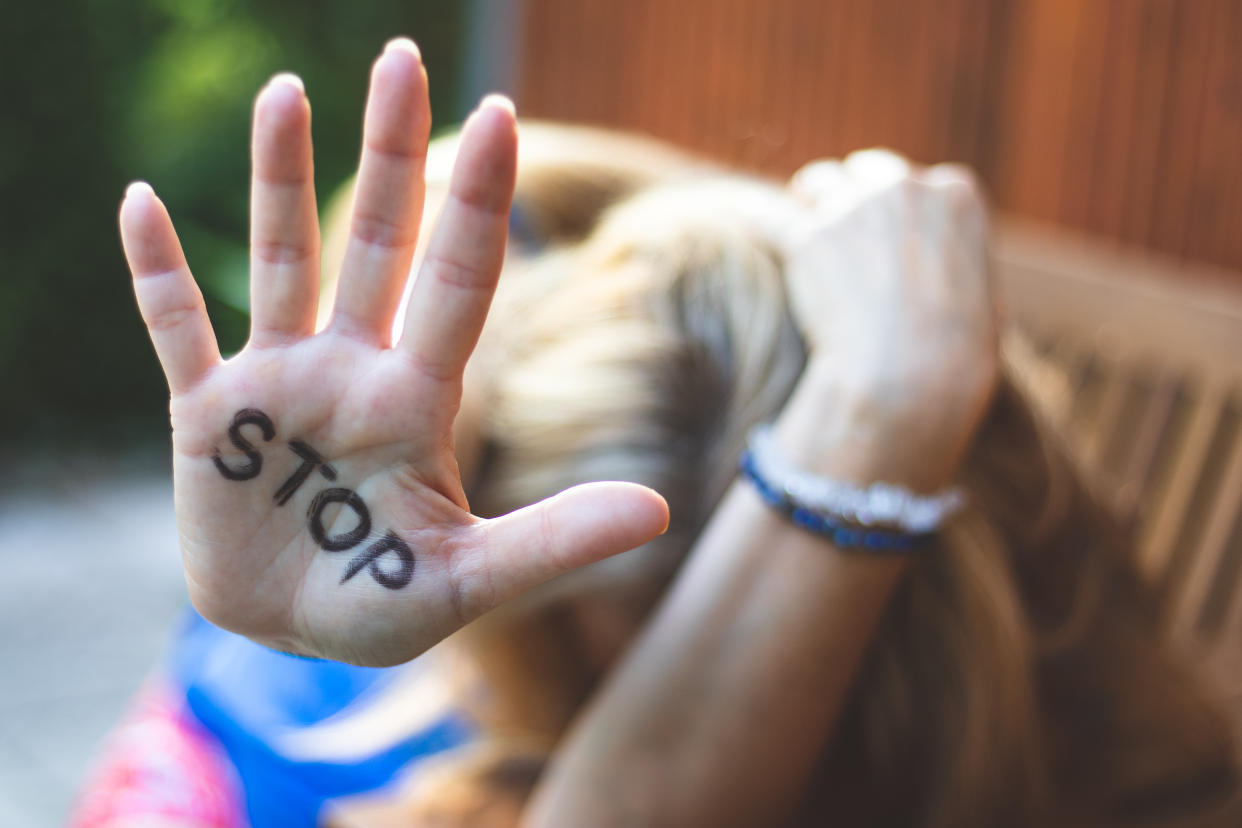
<point>859,433</point>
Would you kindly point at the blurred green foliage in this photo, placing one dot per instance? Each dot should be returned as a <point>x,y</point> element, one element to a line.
<point>96,94</point>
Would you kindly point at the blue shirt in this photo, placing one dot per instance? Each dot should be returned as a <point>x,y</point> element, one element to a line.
<point>251,697</point>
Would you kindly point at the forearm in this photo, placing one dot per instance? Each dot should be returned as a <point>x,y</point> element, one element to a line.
<point>718,713</point>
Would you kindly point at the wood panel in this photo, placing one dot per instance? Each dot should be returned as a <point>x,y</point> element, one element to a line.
<point>1154,412</point>
<point>1118,117</point>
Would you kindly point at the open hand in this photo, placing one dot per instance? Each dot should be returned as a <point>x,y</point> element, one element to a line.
<point>318,498</point>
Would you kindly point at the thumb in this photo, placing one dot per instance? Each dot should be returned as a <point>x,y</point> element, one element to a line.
<point>576,527</point>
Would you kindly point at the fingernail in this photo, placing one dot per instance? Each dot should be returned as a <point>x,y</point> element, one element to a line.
<point>403,43</point>
<point>138,187</point>
<point>290,79</point>
<point>498,100</point>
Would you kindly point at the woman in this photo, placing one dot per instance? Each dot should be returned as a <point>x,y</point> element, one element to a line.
<point>1008,674</point>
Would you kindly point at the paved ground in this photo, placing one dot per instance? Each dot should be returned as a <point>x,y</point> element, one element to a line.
<point>90,587</point>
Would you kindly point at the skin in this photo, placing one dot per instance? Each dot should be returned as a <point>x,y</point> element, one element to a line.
<point>380,412</point>
<point>721,708</point>
<point>718,713</point>
<point>888,280</point>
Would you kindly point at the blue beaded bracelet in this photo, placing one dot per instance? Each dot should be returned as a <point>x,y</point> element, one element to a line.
<point>841,534</point>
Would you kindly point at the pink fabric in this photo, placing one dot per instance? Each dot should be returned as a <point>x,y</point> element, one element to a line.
<point>161,764</point>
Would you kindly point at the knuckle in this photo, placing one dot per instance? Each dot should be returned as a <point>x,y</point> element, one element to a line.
<point>481,195</point>
<point>556,553</point>
<point>956,182</point>
<point>380,231</point>
<point>952,172</point>
<point>877,165</point>
<point>168,318</point>
<point>877,155</point>
<point>455,273</point>
<point>396,146</point>
<point>472,590</point>
<point>282,180</point>
<point>281,252</point>
<point>964,194</point>
<point>440,372</point>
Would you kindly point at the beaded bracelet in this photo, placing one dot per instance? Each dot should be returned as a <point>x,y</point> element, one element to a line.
<point>880,517</point>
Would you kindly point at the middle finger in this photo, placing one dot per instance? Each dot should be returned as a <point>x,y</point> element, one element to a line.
<point>284,231</point>
<point>388,203</point>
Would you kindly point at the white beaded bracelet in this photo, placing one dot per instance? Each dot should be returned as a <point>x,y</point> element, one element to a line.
<point>876,505</point>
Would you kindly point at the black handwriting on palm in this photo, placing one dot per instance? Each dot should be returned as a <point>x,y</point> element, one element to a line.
<point>318,498</point>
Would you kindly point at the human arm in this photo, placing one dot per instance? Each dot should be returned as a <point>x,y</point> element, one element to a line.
<point>720,710</point>
<point>319,503</point>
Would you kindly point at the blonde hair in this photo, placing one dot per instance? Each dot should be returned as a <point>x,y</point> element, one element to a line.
<point>1019,676</point>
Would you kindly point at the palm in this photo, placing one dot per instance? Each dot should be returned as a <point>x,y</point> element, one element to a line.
<point>341,418</point>
<point>318,499</point>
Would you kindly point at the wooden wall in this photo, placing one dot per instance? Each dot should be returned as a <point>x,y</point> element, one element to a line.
<point>1122,118</point>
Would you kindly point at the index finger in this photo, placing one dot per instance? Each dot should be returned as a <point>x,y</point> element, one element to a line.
<point>454,288</point>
